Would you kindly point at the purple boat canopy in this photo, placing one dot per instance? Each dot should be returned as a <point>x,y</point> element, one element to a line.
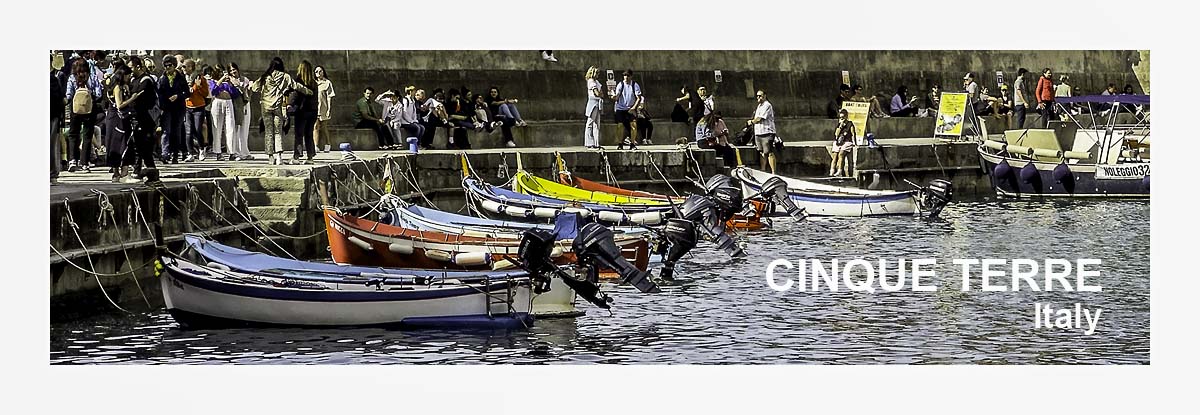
<point>1105,99</point>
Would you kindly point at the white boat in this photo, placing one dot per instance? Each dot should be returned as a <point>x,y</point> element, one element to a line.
<point>826,200</point>
<point>198,296</point>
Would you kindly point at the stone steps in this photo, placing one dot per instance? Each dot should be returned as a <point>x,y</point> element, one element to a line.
<point>273,198</point>
<point>273,184</point>
<point>274,213</point>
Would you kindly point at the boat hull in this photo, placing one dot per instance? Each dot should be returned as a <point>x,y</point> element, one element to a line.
<point>824,200</point>
<point>1082,182</point>
<point>200,296</point>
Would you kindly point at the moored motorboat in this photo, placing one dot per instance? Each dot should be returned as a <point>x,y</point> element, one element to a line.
<point>826,200</point>
<point>1070,161</point>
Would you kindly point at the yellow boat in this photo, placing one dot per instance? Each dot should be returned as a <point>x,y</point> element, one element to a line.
<point>526,183</point>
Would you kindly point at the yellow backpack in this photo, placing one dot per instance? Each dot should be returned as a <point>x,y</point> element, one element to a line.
<point>81,102</point>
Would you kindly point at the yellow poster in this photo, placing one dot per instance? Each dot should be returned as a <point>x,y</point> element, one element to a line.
<point>951,114</point>
<point>858,115</point>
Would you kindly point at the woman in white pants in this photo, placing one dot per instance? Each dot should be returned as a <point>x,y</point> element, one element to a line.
<point>239,148</point>
<point>591,131</point>
<point>224,126</point>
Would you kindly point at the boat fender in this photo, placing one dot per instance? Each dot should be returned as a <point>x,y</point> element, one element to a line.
<point>517,211</point>
<point>1029,173</point>
<point>1078,155</point>
<point>219,266</point>
<point>556,252</point>
<point>546,213</point>
<point>1003,169</point>
<point>503,265</point>
<point>1062,173</point>
<point>472,258</point>
<point>582,212</point>
<point>361,243</point>
<point>438,255</point>
<point>1146,182</point>
<point>646,218</point>
<point>402,247</point>
<point>491,206</point>
<point>610,216</point>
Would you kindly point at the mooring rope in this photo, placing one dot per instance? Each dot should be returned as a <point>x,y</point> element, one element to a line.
<point>75,228</point>
<point>248,220</point>
<point>106,206</point>
<point>660,173</point>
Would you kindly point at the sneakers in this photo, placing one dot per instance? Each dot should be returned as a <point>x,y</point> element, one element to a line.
<point>201,157</point>
<point>54,181</point>
<point>73,166</point>
<point>327,148</point>
<point>510,144</point>
<point>521,123</point>
<point>632,145</point>
<point>548,56</point>
<point>190,158</point>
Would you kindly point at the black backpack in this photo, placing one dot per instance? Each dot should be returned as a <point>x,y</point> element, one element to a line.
<point>745,137</point>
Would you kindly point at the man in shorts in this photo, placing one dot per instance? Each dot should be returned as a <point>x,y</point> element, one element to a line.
<point>764,131</point>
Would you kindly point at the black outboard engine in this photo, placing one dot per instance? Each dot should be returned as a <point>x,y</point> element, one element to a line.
<point>775,191</point>
<point>595,248</point>
<point>681,236</point>
<point>936,196</point>
<point>727,193</point>
<point>705,213</point>
<point>534,254</point>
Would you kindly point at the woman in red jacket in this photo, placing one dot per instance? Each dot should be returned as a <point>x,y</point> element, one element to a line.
<point>1045,96</point>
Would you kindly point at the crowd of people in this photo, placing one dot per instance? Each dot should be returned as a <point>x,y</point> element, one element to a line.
<point>127,113</point>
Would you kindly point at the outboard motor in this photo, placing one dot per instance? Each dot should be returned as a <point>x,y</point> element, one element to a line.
<point>936,196</point>
<point>534,254</point>
<point>595,248</point>
<point>727,193</point>
<point>705,213</point>
<point>775,190</point>
<point>681,237</point>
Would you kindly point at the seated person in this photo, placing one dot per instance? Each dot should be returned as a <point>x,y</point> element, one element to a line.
<point>365,118</point>
<point>836,105</point>
<point>902,104</point>
<point>933,100</point>
<point>645,128</point>
<point>713,134</point>
<point>504,109</point>
<point>859,96</point>
<point>461,114</point>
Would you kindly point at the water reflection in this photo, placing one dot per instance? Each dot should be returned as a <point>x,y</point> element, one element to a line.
<point>721,311</point>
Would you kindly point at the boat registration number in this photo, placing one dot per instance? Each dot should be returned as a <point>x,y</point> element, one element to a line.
<point>1122,171</point>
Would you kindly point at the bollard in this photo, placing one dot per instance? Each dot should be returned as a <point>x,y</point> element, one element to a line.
<point>412,145</point>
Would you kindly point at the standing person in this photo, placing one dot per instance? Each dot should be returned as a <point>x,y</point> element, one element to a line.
<point>764,131</point>
<point>843,142</point>
<point>303,108</point>
<point>57,92</point>
<point>172,90</point>
<point>680,112</point>
<point>325,94</point>
<point>239,149</point>
<point>117,121</point>
<point>1020,98</point>
<point>83,92</point>
<point>628,95</point>
<point>1045,96</point>
<point>273,85</point>
<point>595,95</point>
<point>1063,89</point>
<point>972,90</point>
<point>224,114</point>
<point>197,113</point>
<point>645,128</point>
<point>142,127</point>
<point>366,118</point>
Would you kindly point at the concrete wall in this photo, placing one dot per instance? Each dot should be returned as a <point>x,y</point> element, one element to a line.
<point>799,83</point>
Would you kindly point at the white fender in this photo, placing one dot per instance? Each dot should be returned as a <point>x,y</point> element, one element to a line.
<point>610,216</point>
<point>472,258</point>
<point>361,243</point>
<point>582,212</point>
<point>517,211</point>
<point>546,213</point>
<point>439,255</point>
<point>491,206</point>
<point>219,266</point>
<point>403,247</point>
<point>646,218</point>
<point>503,265</point>
<point>556,252</point>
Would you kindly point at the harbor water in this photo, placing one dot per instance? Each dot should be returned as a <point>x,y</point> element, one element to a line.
<point>721,310</point>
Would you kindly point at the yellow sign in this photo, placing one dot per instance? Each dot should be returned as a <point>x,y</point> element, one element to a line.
<point>951,114</point>
<point>858,115</point>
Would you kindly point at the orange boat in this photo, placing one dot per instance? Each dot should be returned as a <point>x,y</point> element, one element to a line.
<point>357,241</point>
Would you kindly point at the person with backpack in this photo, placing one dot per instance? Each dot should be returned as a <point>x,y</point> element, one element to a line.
<point>273,85</point>
<point>627,96</point>
<point>83,92</point>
